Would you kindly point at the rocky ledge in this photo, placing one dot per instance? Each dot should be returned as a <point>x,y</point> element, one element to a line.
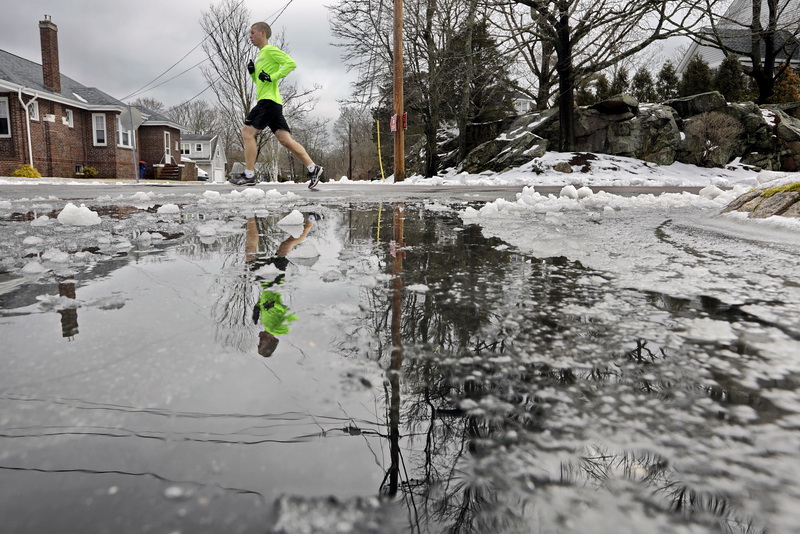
<point>783,200</point>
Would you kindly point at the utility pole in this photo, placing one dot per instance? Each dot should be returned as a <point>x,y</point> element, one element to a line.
<point>399,133</point>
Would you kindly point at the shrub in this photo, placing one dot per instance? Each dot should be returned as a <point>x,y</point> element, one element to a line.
<point>89,172</point>
<point>713,137</point>
<point>26,171</point>
<point>787,88</point>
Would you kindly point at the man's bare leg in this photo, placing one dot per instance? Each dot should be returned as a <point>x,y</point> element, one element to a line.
<point>250,147</point>
<point>294,147</point>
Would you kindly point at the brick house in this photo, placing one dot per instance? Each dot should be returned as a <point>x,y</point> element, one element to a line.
<point>60,126</point>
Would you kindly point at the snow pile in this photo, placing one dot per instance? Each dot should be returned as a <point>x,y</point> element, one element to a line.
<point>529,201</point>
<point>168,209</point>
<point>293,219</point>
<point>75,216</point>
<point>304,252</point>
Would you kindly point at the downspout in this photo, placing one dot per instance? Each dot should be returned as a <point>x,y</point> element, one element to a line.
<point>27,121</point>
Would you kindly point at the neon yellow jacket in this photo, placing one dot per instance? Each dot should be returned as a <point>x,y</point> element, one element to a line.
<point>275,315</point>
<point>278,64</point>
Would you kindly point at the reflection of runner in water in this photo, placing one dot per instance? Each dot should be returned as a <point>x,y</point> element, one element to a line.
<point>270,310</point>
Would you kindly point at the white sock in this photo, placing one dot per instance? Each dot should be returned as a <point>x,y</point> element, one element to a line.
<point>311,167</point>
<point>249,174</point>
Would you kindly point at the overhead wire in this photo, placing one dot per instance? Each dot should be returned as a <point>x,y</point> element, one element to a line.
<point>147,87</point>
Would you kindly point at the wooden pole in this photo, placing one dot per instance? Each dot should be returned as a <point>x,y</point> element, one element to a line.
<point>399,134</point>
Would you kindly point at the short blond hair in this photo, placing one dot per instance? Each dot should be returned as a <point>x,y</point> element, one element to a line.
<point>263,27</point>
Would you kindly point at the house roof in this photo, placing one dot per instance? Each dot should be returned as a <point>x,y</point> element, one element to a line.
<point>153,118</point>
<point>739,41</point>
<point>19,73</point>
<point>197,137</point>
<point>735,32</point>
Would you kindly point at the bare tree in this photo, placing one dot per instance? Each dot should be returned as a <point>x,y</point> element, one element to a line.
<point>533,58</point>
<point>197,115</point>
<point>150,103</point>
<point>591,35</point>
<point>353,133</point>
<point>437,52</point>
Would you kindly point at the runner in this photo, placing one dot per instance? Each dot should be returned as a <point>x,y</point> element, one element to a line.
<point>270,66</point>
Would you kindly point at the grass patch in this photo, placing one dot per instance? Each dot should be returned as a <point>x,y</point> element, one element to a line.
<point>787,188</point>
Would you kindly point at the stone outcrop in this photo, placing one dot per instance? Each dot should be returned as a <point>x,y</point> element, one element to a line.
<point>762,203</point>
<point>681,130</point>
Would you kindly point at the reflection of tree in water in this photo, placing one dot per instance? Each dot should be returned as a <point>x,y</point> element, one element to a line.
<point>472,387</point>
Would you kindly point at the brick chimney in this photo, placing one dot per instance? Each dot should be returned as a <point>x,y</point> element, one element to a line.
<point>51,73</point>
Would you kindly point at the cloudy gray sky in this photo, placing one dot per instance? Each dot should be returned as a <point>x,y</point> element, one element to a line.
<point>119,46</point>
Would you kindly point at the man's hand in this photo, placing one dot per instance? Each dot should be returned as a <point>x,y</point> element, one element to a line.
<point>264,77</point>
<point>251,67</point>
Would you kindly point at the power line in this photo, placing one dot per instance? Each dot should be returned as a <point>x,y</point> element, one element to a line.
<point>144,88</point>
<point>149,87</point>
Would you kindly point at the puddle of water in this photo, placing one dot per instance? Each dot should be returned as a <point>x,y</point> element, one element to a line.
<point>430,380</point>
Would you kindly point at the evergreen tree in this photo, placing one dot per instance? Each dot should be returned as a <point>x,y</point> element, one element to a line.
<point>730,81</point>
<point>667,82</point>
<point>642,86</point>
<point>491,96</point>
<point>620,83</point>
<point>583,92</point>
<point>602,90</point>
<point>697,78</point>
<point>787,88</point>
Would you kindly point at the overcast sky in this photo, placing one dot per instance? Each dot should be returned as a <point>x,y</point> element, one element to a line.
<point>120,46</point>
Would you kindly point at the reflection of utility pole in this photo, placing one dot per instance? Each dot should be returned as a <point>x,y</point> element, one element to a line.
<point>399,139</point>
<point>350,150</point>
<point>69,317</point>
<point>397,348</point>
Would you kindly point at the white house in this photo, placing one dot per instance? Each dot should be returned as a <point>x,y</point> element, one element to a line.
<point>207,152</point>
<point>734,28</point>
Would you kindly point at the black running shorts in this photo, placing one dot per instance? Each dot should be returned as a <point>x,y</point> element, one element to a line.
<point>267,113</point>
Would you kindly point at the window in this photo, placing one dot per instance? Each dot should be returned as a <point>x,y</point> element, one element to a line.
<point>5,121</point>
<point>198,147</point>
<point>185,148</point>
<point>99,127</point>
<point>123,136</point>
<point>33,108</point>
<point>70,118</point>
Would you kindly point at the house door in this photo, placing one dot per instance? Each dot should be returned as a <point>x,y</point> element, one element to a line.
<point>167,153</point>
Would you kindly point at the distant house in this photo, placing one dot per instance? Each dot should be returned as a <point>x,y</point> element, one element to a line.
<point>523,104</point>
<point>61,126</point>
<point>736,36</point>
<point>207,152</point>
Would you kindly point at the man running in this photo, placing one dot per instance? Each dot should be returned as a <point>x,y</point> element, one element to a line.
<point>270,66</point>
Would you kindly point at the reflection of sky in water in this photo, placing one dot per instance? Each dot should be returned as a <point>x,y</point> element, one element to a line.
<point>533,394</point>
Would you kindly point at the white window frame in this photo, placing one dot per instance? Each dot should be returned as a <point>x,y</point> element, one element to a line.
<point>33,110</point>
<point>5,115</point>
<point>121,133</point>
<point>70,116</point>
<point>95,130</point>
<point>198,147</point>
<point>186,149</point>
